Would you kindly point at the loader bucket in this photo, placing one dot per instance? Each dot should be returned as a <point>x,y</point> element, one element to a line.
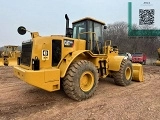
<point>12,61</point>
<point>1,62</point>
<point>157,63</point>
<point>137,72</point>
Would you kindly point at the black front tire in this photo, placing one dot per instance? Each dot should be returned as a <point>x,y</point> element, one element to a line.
<point>123,77</point>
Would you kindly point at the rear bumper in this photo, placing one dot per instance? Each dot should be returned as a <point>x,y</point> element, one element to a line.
<point>48,79</point>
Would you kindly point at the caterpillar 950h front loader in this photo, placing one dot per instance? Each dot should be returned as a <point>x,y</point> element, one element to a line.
<point>158,59</point>
<point>1,59</point>
<point>77,60</point>
<point>9,55</point>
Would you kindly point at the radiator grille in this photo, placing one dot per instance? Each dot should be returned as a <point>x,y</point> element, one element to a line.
<point>26,53</point>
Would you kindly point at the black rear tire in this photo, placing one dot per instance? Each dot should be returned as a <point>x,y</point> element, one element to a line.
<point>81,80</point>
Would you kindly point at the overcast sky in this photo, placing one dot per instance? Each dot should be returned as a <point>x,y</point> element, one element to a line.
<point>47,16</point>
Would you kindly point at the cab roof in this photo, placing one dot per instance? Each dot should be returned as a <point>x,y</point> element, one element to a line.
<point>89,18</point>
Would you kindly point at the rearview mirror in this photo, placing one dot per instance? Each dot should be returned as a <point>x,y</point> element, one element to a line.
<point>21,30</point>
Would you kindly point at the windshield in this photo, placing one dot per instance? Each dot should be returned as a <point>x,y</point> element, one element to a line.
<point>10,48</point>
<point>7,48</point>
<point>79,27</point>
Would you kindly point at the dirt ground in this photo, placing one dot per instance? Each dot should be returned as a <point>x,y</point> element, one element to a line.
<point>138,101</point>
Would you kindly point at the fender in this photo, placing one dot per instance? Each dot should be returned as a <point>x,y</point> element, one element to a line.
<point>68,59</point>
<point>114,63</point>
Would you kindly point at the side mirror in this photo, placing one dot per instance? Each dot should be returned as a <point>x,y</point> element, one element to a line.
<point>105,27</point>
<point>21,30</point>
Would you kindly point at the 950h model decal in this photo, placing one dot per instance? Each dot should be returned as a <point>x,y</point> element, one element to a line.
<point>68,43</point>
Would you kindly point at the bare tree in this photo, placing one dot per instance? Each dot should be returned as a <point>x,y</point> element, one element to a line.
<point>118,33</point>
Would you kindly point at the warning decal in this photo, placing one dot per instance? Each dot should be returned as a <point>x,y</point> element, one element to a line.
<point>45,54</point>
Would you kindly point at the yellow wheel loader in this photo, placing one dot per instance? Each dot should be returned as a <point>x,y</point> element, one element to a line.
<point>158,59</point>
<point>1,59</point>
<point>76,61</point>
<point>10,55</point>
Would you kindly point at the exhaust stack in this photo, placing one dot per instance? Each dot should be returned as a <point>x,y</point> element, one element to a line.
<point>69,31</point>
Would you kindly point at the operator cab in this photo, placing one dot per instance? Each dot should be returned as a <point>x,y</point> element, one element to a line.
<point>90,30</point>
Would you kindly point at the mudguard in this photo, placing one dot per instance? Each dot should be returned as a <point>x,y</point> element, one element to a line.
<point>67,60</point>
<point>115,62</point>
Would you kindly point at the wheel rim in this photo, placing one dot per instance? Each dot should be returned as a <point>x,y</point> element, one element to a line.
<point>128,73</point>
<point>86,81</point>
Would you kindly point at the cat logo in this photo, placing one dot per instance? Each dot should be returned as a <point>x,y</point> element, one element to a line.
<point>45,54</point>
<point>68,43</point>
